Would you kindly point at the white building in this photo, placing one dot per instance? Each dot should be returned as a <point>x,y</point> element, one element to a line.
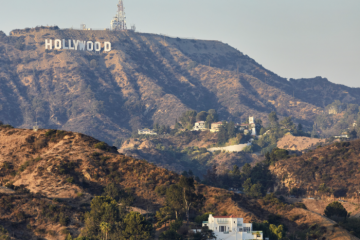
<point>146,131</point>
<point>199,126</point>
<point>231,228</point>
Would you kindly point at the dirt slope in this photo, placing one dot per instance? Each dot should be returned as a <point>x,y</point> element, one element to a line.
<point>294,143</point>
<point>63,170</point>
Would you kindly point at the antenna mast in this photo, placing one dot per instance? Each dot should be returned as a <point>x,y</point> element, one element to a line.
<point>119,21</point>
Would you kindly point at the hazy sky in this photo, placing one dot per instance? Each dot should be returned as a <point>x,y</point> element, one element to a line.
<point>294,39</point>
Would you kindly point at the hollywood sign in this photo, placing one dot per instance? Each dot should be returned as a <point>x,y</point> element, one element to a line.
<point>77,45</point>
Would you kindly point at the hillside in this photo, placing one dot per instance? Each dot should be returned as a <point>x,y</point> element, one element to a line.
<point>186,151</point>
<point>329,170</point>
<point>146,78</point>
<point>57,173</point>
<point>295,143</point>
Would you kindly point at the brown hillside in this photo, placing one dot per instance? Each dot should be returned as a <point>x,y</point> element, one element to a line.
<point>335,167</point>
<point>143,80</point>
<point>294,143</point>
<point>41,163</point>
<point>170,152</point>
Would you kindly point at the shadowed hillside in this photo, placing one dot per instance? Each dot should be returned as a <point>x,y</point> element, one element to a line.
<point>146,78</point>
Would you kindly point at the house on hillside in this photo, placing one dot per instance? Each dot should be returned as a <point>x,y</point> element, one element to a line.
<point>215,127</point>
<point>146,131</point>
<point>199,126</point>
<point>333,110</point>
<point>231,228</point>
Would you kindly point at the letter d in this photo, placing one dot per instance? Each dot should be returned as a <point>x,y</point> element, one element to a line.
<point>107,46</point>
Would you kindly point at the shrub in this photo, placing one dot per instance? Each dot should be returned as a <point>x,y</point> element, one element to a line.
<point>40,143</point>
<point>101,146</point>
<point>70,179</point>
<point>63,219</point>
<point>50,132</point>
<point>335,209</point>
<point>160,190</point>
<point>24,166</point>
<point>65,231</point>
<point>300,205</point>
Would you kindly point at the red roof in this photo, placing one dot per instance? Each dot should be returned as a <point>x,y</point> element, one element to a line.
<point>231,216</point>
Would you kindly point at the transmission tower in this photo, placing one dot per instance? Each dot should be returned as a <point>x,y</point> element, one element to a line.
<point>119,21</point>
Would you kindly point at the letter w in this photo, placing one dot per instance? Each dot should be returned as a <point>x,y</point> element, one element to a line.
<point>82,45</point>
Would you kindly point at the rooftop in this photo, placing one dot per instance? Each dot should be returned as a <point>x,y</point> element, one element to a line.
<point>231,216</point>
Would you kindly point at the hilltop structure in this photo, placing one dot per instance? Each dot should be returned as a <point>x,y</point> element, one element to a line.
<point>231,228</point>
<point>146,131</point>
<point>119,21</point>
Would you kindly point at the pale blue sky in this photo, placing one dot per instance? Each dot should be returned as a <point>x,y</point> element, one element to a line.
<point>295,39</point>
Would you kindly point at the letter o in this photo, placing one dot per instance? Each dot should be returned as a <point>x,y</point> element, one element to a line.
<point>90,46</point>
<point>57,44</point>
<point>97,46</point>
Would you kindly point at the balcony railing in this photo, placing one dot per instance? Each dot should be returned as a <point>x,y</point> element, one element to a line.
<point>205,222</point>
<point>222,221</point>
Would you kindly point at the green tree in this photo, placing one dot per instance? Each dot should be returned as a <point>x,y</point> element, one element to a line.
<point>335,209</point>
<point>287,123</point>
<point>136,227</point>
<point>177,125</point>
<point>247,186</point>
<point>170,235</point>
<point>205,234</point>
<point>174,198</point>
<point>188,118</point>
<point>353,134</point>
<point>273,117</point>
<point>163,215</point>
<point>190,198</point>
<point>256,190</point>
<point>112,190</point>
<point>69,237</point>
<point>201,116</point>
<point>246,170</point>
<point>230,129</point>
<point>156,127</point>
<point>105,228</point>
<point>211,117</point>
<point>103,209</point>
<point>277,232</point>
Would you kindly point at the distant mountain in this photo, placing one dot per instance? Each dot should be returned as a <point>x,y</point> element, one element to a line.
<point>146,78</point>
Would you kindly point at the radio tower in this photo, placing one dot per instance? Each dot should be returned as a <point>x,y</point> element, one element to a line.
<point>119,21</point>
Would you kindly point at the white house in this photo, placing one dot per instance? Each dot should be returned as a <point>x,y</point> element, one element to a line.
<point>146,131</point>
<point>231,228</point>
<point>215,127</point>
<point>199,126</point>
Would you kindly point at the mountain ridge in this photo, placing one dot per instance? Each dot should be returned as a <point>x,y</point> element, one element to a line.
<point>143,80</point>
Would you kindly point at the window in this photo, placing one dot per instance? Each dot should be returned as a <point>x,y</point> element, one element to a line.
<point>247,229</point>
<point>240,229</point>
<point>234,221</point>
<point>222,228</point>
<point>258,235</point>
